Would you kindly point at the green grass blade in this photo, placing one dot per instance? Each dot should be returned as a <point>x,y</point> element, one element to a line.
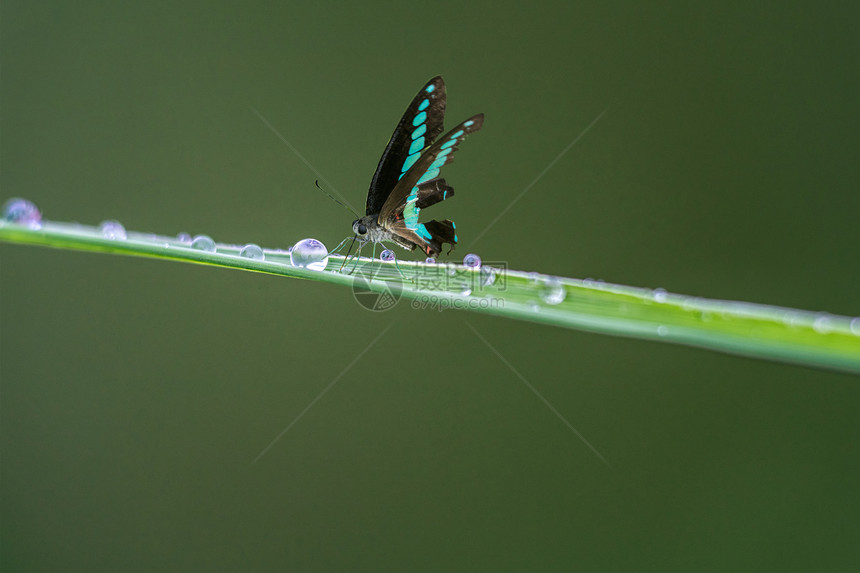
<point>754,330</point>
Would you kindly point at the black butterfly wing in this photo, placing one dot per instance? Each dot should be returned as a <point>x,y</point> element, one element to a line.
<point>403,202</point>
<point>420,125</point>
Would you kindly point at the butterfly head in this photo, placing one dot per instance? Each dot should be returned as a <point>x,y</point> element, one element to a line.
<point>366,228</point>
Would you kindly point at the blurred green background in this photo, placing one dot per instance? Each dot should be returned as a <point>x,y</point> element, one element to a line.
<point>136,393</point>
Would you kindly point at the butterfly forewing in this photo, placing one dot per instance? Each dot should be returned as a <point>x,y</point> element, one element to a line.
<point>420,125</point>
<point>403,202</point>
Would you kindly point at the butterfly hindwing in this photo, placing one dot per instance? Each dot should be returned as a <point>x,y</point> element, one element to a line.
<point>433,235</point>
<point>432,192</point>
<point>420,125</point>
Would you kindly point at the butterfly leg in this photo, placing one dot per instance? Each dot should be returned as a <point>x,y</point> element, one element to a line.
<point>402,275</point>
<point>346,258</point>
<point>337,248</point>
<point>357,258</point>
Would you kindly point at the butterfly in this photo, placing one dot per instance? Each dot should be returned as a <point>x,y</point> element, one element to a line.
<point>407,177</point>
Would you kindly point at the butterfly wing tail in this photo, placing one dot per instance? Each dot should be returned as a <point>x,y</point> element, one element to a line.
<point>440,232</point>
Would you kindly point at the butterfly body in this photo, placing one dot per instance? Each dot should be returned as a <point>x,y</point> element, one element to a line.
<point>407,177</point>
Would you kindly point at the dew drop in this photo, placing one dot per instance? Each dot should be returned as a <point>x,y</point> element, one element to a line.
<point>534,277</point>
<point>488,276</point>
<point>184,238</point>
<point>823,324</point>
<point>203,243</point>
<point>252,251</point>
<point>452,270</point>
<point>552,291</point>
<point>113,230</point>
<point>662,331</point>
<point>430,261</point>
<point>22,212</point>
<point>387,256</point>
<point>472,261</point>
<point>310,254</point>
<point>533,306</point>
<point>855,326</point>
<point>465,291</point>
<point>792,319</point>
<point>660,295</point>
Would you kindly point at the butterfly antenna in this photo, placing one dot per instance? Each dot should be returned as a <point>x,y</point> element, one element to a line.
<point>329,195</point>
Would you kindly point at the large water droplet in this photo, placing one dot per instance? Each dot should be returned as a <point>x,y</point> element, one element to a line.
<point>472,261</point>
<point>113,230</point>
<point>387,256</point>
<point>22,212</point>
<point>310,254</point>
<point>252,251</point>
<point>552,291</point>
<point>203,243</point>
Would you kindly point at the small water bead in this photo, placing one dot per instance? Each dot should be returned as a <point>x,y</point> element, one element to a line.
<point>452,270</point>
<point>252,251</point>
<point>465,290</point>
<point>310,254</point>
<point>387,256</point>
<point>203,243</point>
<point>533,306</point>
<point>22,212</point>
<point>488,276</point>
<point>472,261</point>
<point>823,324</point>
<point>430,261</point>
<point>792,319</point>
<point>855,326</point>
<point>113,230</point>
<point>662,331</point>
<point>184,238</point>
<point>553,291</point>
<point>660,295</point>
